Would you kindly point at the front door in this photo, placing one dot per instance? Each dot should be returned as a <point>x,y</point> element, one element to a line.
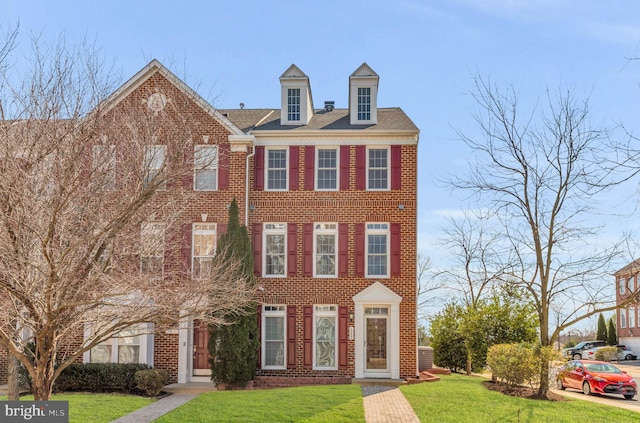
<point>200,349</point>
<point>376,342</point>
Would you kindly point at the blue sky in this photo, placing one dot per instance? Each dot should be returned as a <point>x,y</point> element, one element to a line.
<point>426,53</point>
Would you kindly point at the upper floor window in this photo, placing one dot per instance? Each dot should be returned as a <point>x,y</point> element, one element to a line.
<point>204,249</point>
<point>327,169</point>
<point>623,318</point>
<point>632,317</point>
<point>154,156</point>
<point>325,337</point>
<point>275,236</point>
<point>206,167</point>
<point>152,249</point>
<point>104,166</point>
<point>377,249</point>
<point>293,104</point>
<point>325,237</point>
<point>621,286</point>
<point>273,336</point>
<point>276,169</point>
<point>364,103</point>
<point>378,169</point>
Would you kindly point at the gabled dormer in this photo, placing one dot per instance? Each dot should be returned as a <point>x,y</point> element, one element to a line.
<point>297,103</point>
<point>363,96</point>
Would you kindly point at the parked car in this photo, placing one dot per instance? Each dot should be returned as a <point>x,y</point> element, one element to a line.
<point>576,351</point>
<point>596,377</point>
<point>622,354</point>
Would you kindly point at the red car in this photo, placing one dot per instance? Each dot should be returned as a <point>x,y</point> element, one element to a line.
<point>596,377</point>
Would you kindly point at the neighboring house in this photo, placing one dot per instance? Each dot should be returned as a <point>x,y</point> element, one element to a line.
<point>628,328</point>
<point>330,200</point>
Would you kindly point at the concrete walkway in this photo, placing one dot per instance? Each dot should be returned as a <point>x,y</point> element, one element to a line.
<point>386,404</point>
<point>157,409</point>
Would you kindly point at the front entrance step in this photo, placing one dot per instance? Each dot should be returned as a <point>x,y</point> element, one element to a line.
<point>378,382</point>
<point>190,388</point>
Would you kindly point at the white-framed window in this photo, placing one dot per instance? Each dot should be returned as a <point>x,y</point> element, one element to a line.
<point>378,169</point>
<point>204,249</point>
<point>623,318</point>
<point>364,103</point>
<point>293,104</point>
<point>104,166</point>
<point>621,282</point>
<point>205,167</point>
<point>154,156</point>
<point>632,317</point>
<point>273,336</point>
<point>377,249</point>
<point>276,169</point>
<point>152,249</point>
<point>325,337</point>
<point>275,249</point>
<point>132,345</point>
<point>325,247</point>
<point>327,169</point>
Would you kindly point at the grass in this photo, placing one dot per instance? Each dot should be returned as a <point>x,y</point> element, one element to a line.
<point>96,408</point>
<point>458,398</point>
<point>333,403</point>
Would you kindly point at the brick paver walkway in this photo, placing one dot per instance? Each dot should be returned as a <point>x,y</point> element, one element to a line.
<point>386,404</point>
<point>157,409</point>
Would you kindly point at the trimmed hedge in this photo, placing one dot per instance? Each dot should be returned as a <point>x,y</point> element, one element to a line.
<point>100,377</point>
<point>150,382</point>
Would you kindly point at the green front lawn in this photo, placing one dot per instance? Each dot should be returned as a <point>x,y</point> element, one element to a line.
<point>96,408</point>
<point>332,403</point>
<point>458,398</point>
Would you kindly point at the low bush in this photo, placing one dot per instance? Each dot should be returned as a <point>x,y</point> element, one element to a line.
<point>607,354</point>
<point>150,382</point>
<point>514,364</point>
<point>100,377</point>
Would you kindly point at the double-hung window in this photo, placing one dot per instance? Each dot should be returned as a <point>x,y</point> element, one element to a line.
<point>325,337</point>
<point>293,104</point>
<point>104,166</point>
<point>364,103</point>
<point>325,238</point>
<point>632,317</point>
<point>327,169</point>
<point>206,167</point>
<point>277,169</point>
<point>154,156</point>
<point>273,336</point>
<point>275,238</point>
<point>204,248</point>
<point>377,249</point>
<point>623,318</point>
<point>152,249</point>
<point>123,348</point>
<point>378,169</point>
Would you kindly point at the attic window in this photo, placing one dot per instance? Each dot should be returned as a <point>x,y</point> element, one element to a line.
<point>293,104</point>
<point>364,103</point>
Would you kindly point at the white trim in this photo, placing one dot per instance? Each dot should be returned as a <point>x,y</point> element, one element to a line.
<point>387,233</point>
<point>281,312</point>
<point>213,166</point>
<point>266,168</point>
<point>270,138</point>
<point>205,232</point>
<point>274,231</point>
<point>326,313</point>
<point>317,168</point>
<point>388,149</point>
<point>325,231</point>
<point>145,345</point>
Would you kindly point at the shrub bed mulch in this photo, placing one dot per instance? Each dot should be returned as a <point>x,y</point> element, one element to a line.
<point>520,391</point>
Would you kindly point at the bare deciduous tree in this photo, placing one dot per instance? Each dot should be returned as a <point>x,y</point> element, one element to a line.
<point>91,195</point>
<point>541,174</point>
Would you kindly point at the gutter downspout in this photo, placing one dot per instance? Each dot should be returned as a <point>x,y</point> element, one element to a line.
<point>246,185</point>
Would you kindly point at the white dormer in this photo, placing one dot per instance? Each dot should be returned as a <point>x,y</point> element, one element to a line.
<point>297,103</point>
<point>363,96</point>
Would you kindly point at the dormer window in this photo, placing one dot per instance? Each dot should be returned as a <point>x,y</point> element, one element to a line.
<point>293,104</point>
<point>364,103</point>
<point>363,96</point>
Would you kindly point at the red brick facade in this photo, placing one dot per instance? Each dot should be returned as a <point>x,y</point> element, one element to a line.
<point>627,285</point>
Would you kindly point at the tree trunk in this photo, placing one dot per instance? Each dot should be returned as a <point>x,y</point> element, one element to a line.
<point>13,381</point>
<point>43,381</point>
<point>544,378</point>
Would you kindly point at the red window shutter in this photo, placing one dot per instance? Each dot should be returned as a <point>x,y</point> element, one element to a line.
<point>260,335</point>
<point>343,249</point>
<point>344,167</point>
<point>395,249</point>
<point>185,247</point>
<point>292,248</point>
<point>187,179</point>
<point>308,337</point>
<point>223,166</point>
<point>359,234</point>
<point>309,167</point>
<point>396,167</point>
<point>258,180</point>
<point>294,167</point>
<point>222,228</point>
<point>257,249</point>
<point>307,249</point>
<point>343,337</point>
<point>361,167</point>
<point>291,337</point>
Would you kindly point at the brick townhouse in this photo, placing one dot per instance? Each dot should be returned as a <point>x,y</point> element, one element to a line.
<point>330,200</point>
<point>628,327</point>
